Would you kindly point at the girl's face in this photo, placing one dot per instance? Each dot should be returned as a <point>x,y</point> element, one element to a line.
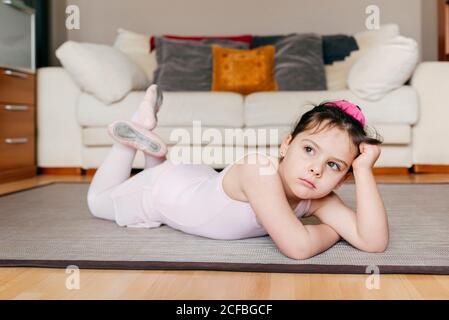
<point>322,158</point>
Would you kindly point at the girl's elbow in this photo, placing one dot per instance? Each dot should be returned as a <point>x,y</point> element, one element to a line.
<point>297,251</point>
<point>382,247</point>
<point>297,254</point>
<point>377,248</point>
<point>300,255</point>
<point>303,256</point>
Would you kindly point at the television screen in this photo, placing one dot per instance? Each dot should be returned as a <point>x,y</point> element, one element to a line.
<point>17,43</point>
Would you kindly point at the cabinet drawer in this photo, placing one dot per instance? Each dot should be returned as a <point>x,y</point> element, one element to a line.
<point>17,153</point>
<point>16,87</point>
<point>16,120</point>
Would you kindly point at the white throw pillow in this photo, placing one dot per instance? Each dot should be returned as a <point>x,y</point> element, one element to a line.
<point>337,73</point>
<point>137,47</point>
<point>383,68</point>
<point>101,70</point>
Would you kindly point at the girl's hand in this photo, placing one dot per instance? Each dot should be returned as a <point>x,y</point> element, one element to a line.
<point>369,155</point>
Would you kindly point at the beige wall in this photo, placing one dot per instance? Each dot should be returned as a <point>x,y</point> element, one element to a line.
<point>429,30</point>
<point>58,32</point>
<point>101,18</point>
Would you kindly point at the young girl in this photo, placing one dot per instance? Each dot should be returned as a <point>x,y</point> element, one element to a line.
<point>245,199</point>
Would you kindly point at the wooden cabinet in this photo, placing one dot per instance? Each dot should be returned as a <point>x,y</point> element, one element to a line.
<point>17,125</point>
<point>443,30</point>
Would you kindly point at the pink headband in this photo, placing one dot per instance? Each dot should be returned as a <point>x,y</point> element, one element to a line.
<point>351,109</point>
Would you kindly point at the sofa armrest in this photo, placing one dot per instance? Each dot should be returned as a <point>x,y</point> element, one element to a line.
<point>58,132</point>
<point>431,82</point>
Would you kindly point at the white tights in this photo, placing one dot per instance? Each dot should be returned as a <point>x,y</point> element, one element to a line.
<point>115,169</point>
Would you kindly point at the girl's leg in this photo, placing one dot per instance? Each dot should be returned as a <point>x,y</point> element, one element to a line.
<point>115,169</point>
<point>153,99</point>
<point>151,161</point>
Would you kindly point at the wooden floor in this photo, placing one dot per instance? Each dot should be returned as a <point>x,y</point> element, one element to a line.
<point>42,283</point>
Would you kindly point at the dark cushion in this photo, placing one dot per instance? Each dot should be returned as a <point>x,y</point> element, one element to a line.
<point>247,38</point>
<point>185,65</point>
<point>335,47</point>
<point>260,41</point>
<point>299,63</point>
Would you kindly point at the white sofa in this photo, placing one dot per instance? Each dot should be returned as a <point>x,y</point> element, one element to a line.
<point>72,124</point>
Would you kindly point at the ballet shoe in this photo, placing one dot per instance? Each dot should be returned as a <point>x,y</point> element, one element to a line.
<point>138,137</point>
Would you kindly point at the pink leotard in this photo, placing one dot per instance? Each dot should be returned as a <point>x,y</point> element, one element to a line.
<point>190,198</point>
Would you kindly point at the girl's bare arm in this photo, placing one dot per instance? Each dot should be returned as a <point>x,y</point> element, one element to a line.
<point>321,238</point>
<point>372,221</point>
<point>333,212</point>
<point>266,196</point>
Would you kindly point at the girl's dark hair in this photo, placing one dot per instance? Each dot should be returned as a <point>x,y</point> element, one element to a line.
<point>331,116</point>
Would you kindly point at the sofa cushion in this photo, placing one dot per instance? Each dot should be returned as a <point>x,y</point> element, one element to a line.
<point>243,71</point>
<point>93,157</point>
<point>98,136</point>
<point>178,109</point>
<point>101,70</point>
<point>299,63</point>
<point>245,38</point>
<point>137,48</point>
<point>284,108</point>
<point>187,65</point>
<point>337,73</point>
<point>393,134</point>
<point>336,47</point>
<point>216,136</point>
<point>384,68</point>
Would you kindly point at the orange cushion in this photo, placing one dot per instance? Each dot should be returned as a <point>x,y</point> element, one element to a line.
<point>243,71</point>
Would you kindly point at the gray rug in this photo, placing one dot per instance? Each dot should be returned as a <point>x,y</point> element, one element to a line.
<point>50,226</point>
